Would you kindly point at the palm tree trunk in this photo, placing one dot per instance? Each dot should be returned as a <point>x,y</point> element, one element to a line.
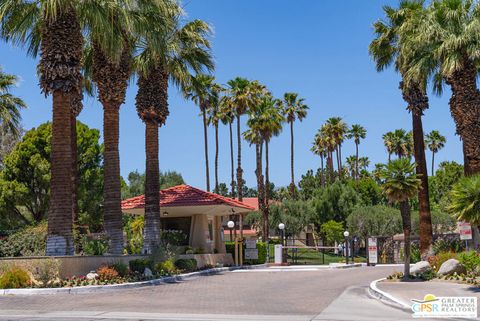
<point>356,161</point>
<point>205,139</point>
<point>60,238</point>
<point>292,183</point>
<point>261,190</point>
<point>465,110</point>
<point>433,163</point>
<point>113,222</point>
<point>267,176</point>
<point>407,228</point>
<point>231,160</point>
<point>239,162</point>
<point>426,237</point>
<point>322,178</point>
<point>216,158</point>
<point>330,166</point>
<point>75,178</point>
<point>152,190</point>
<point>340,159</point>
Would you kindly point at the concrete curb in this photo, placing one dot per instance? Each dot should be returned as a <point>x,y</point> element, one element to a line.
<point>385,297</point>
<point>344,266</point>
<point>130,285</point>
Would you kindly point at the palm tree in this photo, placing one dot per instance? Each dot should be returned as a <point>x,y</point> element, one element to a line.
<point>200,92</point>
<point>388,48</point>
<point>54,28</point>
<point>357,132</point>
<point>319,148</point>
<point>352,165</point>
<point>435,141</point>
<point>226,116</point>
<point>10,105</point>
<point>465,200</point>
<point>294,108</point>
<point>214,117</point>
<point>363,163</point>
<point>444,46</point>
<point>388,141</point>
<point>168,53</point>
<point>338,130</point>
<point>400,183</point>
<point>328,140</point>
<point>241,94</point>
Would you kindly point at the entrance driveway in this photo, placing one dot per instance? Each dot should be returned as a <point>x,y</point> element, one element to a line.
<point>295,294</point>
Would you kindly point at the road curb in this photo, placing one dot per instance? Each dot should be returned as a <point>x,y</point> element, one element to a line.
<point>344,266</point>
<point>129,285</point>
<point>386,297</point>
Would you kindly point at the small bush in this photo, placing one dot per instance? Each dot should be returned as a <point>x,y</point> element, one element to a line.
<point>46,271</point>
<point>415,255</point>
<point>188,249</point>
<point>448,245</point>
<point>30,241</point>
<point>186,264</point>
<point>15,278</point>
<point>139,265</point>
<point>262,252</point>
<point>199,250</point>
<point>167,267</point>
<point>106,273</point>
<point>471,260</point>
<point>437,260</point>
<point>121,268</point>
<point>94,246</point>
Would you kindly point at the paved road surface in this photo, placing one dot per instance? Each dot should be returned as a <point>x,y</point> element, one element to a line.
<point>311,294</point>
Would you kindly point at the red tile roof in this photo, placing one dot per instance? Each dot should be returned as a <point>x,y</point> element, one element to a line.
<point>185,195</point>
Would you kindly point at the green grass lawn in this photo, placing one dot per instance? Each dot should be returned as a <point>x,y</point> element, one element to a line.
<point>311,256</point>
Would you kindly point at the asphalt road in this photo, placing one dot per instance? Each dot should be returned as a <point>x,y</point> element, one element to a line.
<point>312,294</point>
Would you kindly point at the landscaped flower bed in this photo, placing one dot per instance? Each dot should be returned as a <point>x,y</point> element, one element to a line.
<point>46,274</point>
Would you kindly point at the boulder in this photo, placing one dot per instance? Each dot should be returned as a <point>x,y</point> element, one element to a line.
<point>420,268</point>
<point>451,266</point>
<point>91,276</point>
<point>147,273</point>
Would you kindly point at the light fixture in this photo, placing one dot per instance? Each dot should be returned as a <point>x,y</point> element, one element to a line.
<point>165,213</point>
<point>346,233</point>
<point>230,224</point>
<point>281,226</point>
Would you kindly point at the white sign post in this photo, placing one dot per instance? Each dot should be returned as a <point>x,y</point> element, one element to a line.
<point>372,250</point>
<point>278,254</point>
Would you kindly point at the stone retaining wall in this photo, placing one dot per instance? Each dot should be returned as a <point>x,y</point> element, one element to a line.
<point>225,259</point>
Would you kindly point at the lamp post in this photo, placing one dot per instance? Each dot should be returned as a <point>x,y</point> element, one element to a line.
<point>346,234</point>
<point>281,227</point>
<point>230,225</point>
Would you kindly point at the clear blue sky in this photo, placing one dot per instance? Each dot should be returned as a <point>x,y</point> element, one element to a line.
<point>316,48</point>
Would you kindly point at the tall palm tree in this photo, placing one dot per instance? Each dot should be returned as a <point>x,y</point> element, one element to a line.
<point>328,140</point>
<point>400,183</point>
<point>386,49</point>
<point>357,132</point>
<point>241,95</point>
<point>351,162</point>
<point>338,130</point>
<point>319,148</point>
<point>435,141</point>
<point>227,117</point>
<point>10,105</point>
<point>465,200</point>
<point>214,117</point>
<point>200,92</point>
<point>444,45</point>
<point>363,163</point>
<point>168,53</point>
<point>388,141</point>
<point>54,29</point>
<point>294,109</point>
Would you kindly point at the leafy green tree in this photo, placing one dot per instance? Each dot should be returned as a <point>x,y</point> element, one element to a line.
<point>25,179</point>
<point>376,220</point>
<point>308,184</point>
<point>400,184</point>
<point>465,200</point>
<point>136,182</point>
<point>357,132</point>
<point>332,231</point>
<point>368,190</point>
<point>334,202</point>
<point>447,174</point>
<point>295,214</point>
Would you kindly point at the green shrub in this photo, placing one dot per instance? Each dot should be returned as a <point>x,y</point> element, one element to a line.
<point>471,260</point>
<point>448,245</point>
<point>106,273</point>
<point>186,264</point>
<point>262,252</point>
<point>94,246</point>
<point>30,241</point>
<point>167,267</point>
<point>121,268</point>
<point>415,255</point>
<point>139,265</point>
<point>199,250</point>
<point>15,278</point>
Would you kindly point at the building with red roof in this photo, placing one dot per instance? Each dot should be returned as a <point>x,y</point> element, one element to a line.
<point>195,212</point>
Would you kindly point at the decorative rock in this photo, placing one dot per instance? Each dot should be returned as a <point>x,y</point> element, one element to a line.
<point>420,268</point>
<point>147,273</point>
<point>451,266</point>
<point>91,276</point>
